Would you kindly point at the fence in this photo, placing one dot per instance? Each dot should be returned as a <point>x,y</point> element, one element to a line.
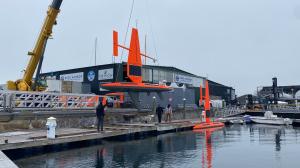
<point>284,108</point>
<point>15,100</point>
<point>228,111</point>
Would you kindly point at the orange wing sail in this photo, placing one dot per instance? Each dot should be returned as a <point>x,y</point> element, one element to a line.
<point>134,64</point>
<point>115,44</point>
<point>207,97</point>
<point>207,102</point>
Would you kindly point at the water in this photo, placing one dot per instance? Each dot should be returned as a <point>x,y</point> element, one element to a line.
<point>247,146</point>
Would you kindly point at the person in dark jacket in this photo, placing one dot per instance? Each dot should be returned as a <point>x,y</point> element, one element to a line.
<point>159,112</point>
<point>100,115</point>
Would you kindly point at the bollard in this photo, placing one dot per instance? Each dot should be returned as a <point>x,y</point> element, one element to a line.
<point>203,116</point>
<point>51,125</point>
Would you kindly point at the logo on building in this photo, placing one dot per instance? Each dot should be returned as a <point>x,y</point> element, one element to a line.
<point>106,74</point>
<point>76,77</point>
<point>91,75</point>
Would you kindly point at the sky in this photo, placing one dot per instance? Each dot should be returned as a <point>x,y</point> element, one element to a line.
<point>239,43</point>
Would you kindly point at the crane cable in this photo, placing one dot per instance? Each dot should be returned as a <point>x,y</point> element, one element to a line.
<point>151,30</point>
<point>128,24</point>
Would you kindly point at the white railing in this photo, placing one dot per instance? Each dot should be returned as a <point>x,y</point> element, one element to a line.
<point>15,100</point>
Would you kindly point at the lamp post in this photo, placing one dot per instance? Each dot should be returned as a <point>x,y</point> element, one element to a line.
<point>154,104</point>
<point>184,100</point>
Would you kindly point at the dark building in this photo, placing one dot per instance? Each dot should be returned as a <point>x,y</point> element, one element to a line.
<point>186,84</point>
<point>284,93</point>
<point>223,92</point>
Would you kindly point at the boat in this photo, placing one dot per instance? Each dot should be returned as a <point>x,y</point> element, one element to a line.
<point>133,69</point>
<point>270,118</point>
<point>231,120</point>
<point>247,119</point>
<point>236,121</point>
<point>137,87</point>
<point>208,124</point>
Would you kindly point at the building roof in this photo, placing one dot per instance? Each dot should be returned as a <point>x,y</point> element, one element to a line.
<point>171,68</point>
<point>82,68</point>
<point>218,84</point>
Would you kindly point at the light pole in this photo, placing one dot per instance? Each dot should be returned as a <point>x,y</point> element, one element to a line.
<point>154,104</point>
<point>184,100</point>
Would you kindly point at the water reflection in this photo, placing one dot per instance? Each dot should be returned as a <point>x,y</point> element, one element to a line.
<point>100,158</point>
<point>277,140</point>
<point>270,134</point>
<point>207,149</point>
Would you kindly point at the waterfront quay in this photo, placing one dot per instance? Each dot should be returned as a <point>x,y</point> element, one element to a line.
<point>14,144</point>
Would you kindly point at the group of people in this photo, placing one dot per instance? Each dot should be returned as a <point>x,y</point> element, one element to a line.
<point>159,111</point>
<point>168,113</point>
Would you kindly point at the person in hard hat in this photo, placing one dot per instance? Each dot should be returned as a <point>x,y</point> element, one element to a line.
<point>159,112</point>
<point>100,115</point>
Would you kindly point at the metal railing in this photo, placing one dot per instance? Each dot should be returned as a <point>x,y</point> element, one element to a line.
<point>284,108</point>
<point>2,101</point>
<point>15,100</point>
<point>228,111</point>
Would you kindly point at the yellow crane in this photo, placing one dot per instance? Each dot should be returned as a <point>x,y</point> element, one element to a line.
<point>26,83</point>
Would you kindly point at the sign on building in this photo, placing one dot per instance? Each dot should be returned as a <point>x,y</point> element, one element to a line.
<point>198,81</point>
<point>183,79</point>
<point>105,74</point>
<point>76,77</point>
<point>194,81</point>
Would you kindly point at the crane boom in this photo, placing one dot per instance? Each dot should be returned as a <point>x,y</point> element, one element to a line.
<point>25,83</point>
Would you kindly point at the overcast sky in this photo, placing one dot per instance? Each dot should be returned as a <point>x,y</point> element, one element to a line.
<point>240,43</point>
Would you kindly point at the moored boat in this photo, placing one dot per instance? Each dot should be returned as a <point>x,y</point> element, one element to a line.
<point>269,118</point>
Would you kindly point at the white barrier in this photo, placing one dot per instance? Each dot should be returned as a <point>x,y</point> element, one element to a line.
<point>15,100</point>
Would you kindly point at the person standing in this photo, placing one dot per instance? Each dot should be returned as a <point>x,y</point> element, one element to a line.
<point>100,115</point>
<point>159,112</point>
<point>169,113</point>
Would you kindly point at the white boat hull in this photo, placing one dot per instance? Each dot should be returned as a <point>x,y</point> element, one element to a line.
<point>273,121</point>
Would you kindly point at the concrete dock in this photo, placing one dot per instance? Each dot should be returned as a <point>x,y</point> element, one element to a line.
<point>5,162</point>
<point>31,139</point>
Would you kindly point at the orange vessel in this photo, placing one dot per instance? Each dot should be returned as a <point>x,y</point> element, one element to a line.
<point>133,69</point>
<point>208,123</point>
<point>138,87</point>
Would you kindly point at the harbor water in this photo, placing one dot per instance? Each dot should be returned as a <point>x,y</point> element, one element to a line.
<point>246,146</point>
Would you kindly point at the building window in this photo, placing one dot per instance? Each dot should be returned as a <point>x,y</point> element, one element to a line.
<point>228,91</point>
<point>155,76</point>
<point>162,76</point>
<point>147,75</point>
<point>169,76</point>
